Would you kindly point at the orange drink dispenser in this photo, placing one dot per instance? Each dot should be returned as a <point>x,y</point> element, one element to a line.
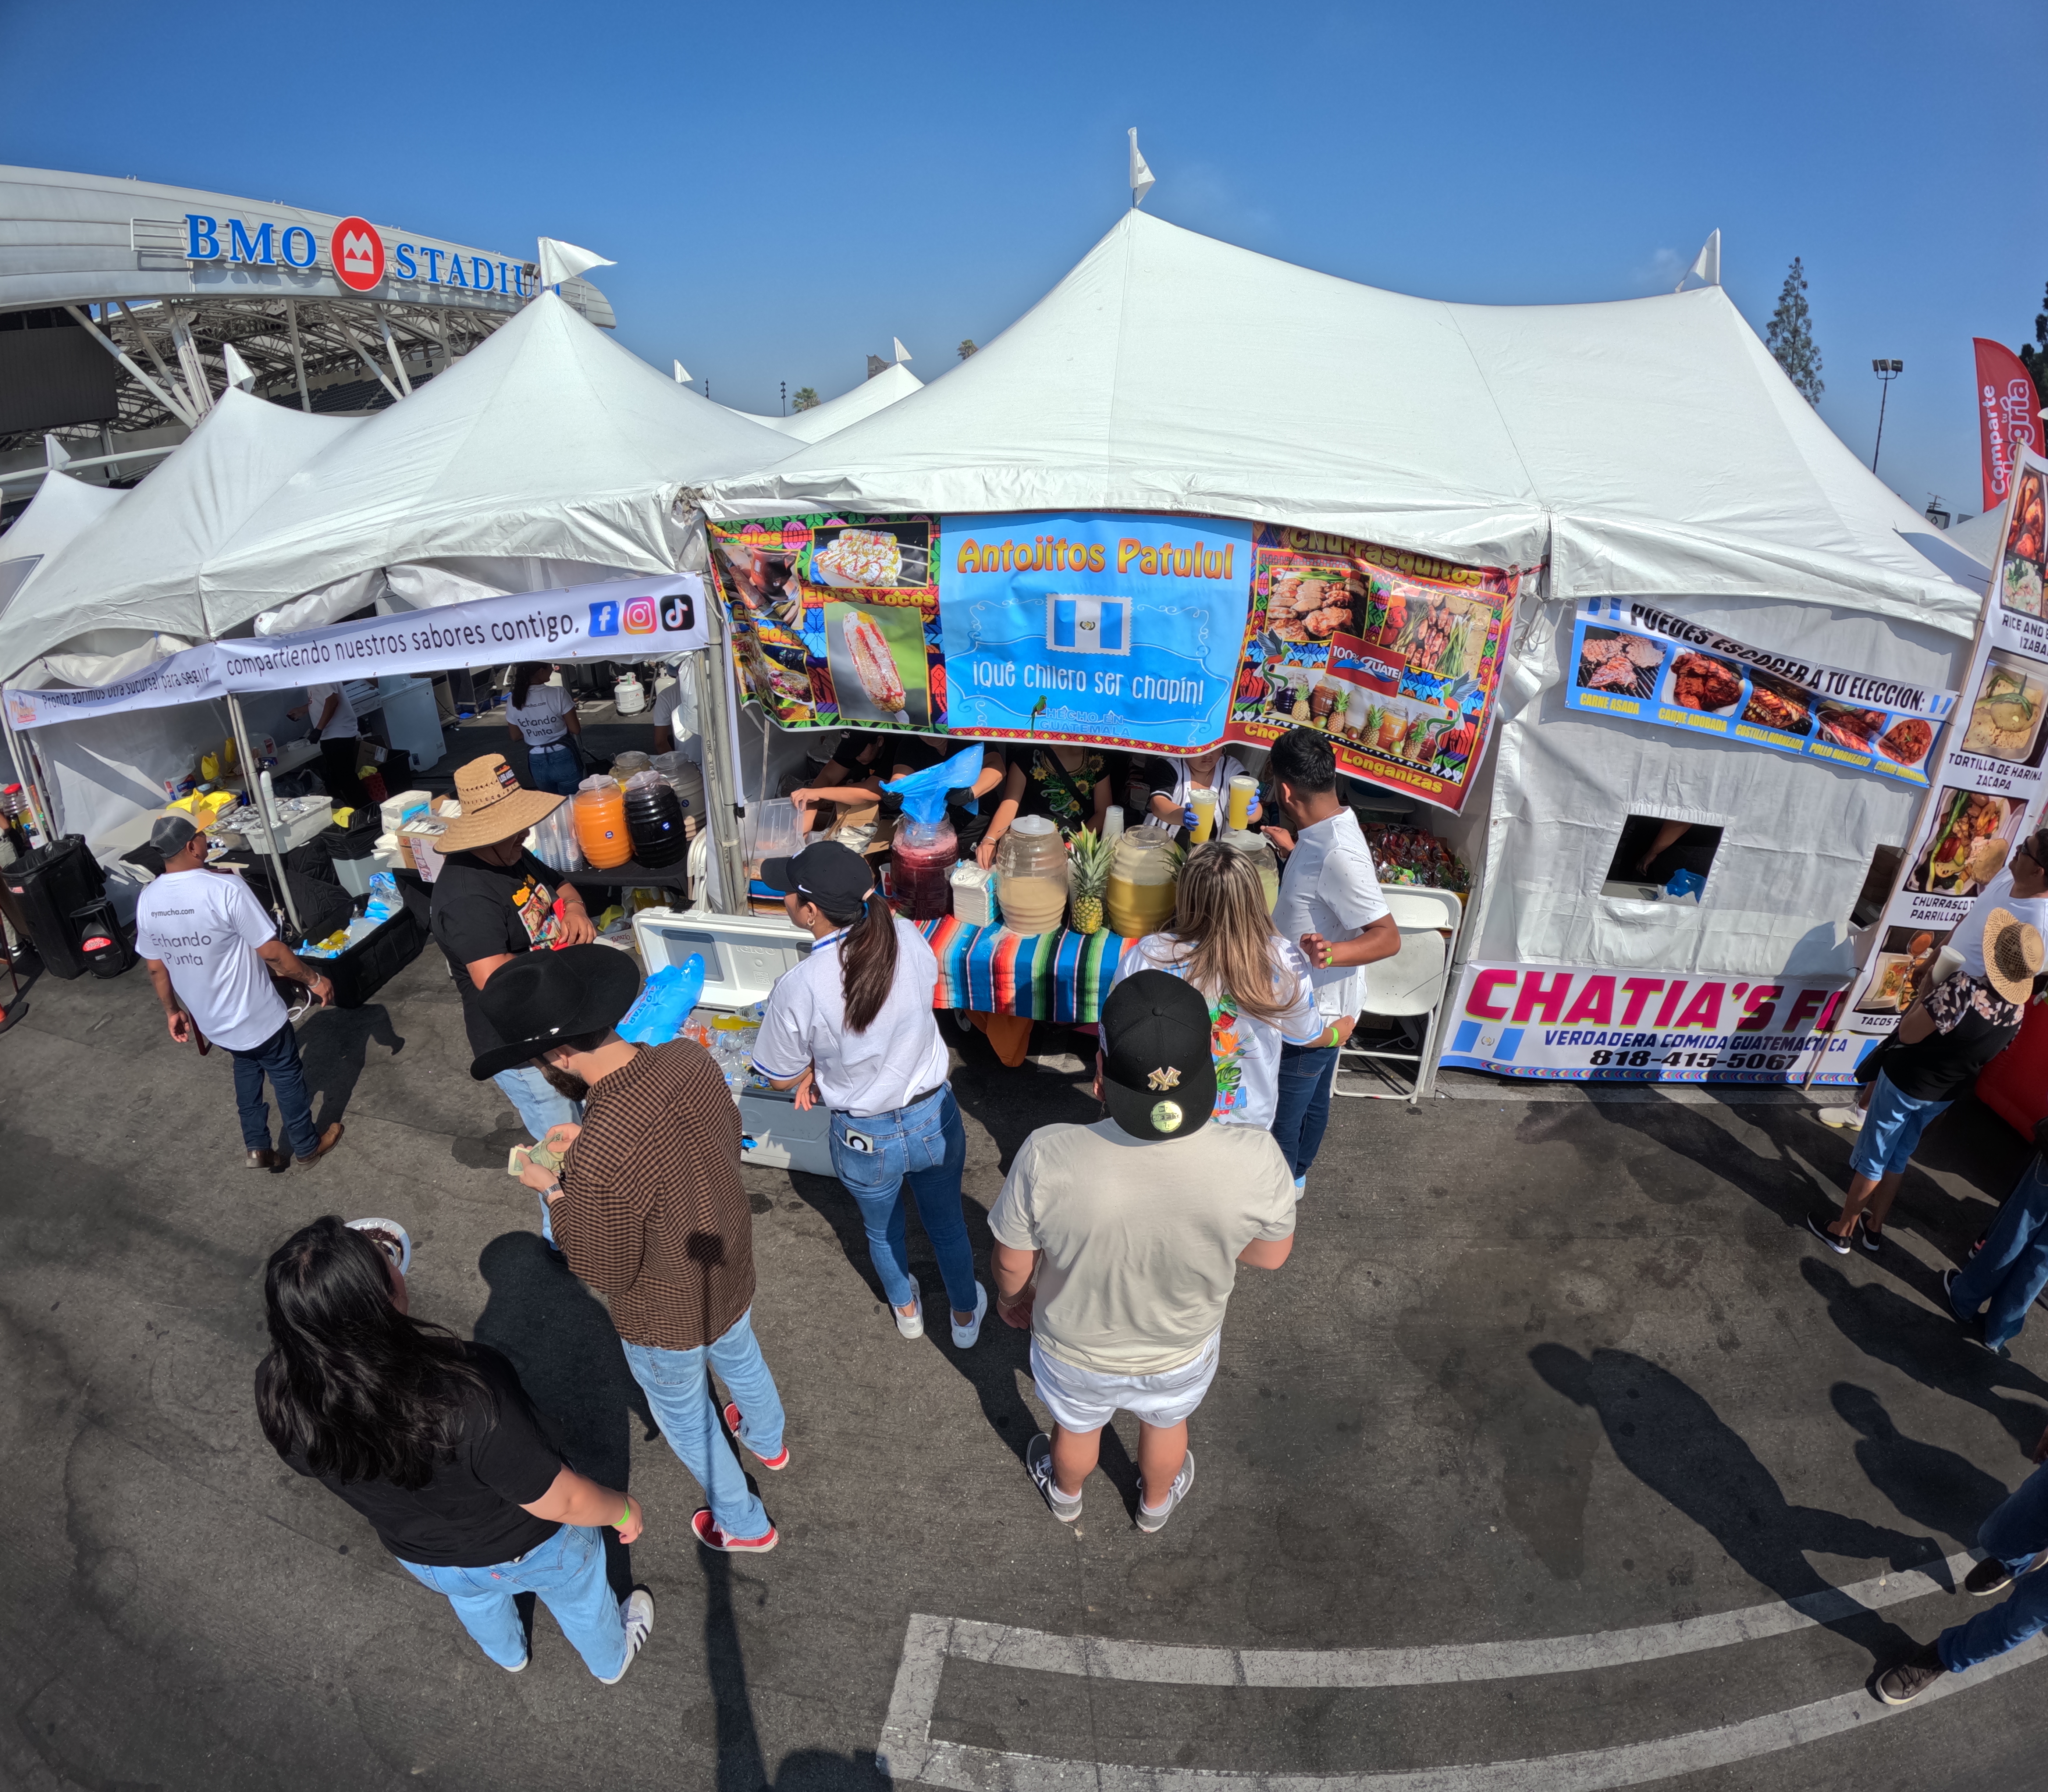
<point>600,823</point>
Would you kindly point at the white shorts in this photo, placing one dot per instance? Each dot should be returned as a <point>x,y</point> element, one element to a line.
<point>1083,1399</point>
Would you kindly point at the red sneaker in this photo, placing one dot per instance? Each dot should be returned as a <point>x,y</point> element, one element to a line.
<point>713,1538</point>
<point>730,1415</point>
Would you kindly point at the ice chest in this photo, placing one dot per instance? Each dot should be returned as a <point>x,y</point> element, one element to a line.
<point>743,955</point>
<point>374,961</point>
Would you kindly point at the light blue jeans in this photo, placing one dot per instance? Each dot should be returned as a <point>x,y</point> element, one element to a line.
<point>925,1146</point>
<point>541,1105</point>
<point>677,1384</point>
<point>566,1574</point>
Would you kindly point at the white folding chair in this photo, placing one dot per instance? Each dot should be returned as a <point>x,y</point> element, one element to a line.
<point>1410,983</point>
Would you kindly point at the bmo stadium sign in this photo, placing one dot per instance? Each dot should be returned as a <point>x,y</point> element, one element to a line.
<point>357,255</point>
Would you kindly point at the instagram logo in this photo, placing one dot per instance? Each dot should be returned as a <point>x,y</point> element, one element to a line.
<point>640,616</point>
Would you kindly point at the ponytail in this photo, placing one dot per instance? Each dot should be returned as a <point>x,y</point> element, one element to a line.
<point>524,678</point>
<point>867,963</point>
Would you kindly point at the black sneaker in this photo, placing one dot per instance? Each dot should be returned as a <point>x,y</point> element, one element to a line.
<point>1990,1576</point>
<point>1872,1242</point>
<point>1816,1223</point>
<point>1904,1684</point>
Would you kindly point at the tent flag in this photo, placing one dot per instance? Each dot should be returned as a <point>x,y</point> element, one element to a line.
<point>1706,265</point>
<point>614,619</point>
<point>1141,175</point>
<point>902,353</point>
<point>564,261</point>
<point>238,370</point>
<point>56,456</point>
<point>682,374</point>
<point>2006,422</point>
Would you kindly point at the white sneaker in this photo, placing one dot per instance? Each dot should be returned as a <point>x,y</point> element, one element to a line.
<point>638,1610</point>
<point>912,1324</point>
<point>965,1336</point>
<point>1844,1120</point>
<point>1300,1186</point>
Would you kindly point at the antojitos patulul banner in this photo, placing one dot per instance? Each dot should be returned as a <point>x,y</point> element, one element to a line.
<point>1121,629</point>
<point>1632,659</point>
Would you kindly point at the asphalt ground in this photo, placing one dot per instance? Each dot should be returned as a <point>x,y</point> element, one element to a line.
<point>1534,1468</point>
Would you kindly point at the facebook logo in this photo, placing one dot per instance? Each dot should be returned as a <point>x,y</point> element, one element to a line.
<point>604,618</point>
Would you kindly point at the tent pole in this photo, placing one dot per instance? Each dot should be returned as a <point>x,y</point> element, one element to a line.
<point>721,796</point>
<point>251,776</point>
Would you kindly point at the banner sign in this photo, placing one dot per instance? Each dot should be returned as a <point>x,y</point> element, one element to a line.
<point>614,619</point>
<point>1987,780</point>
<point>1395,656</point>
<point>2006,422</point>
<point>1116,630</point>
<point>1631,659</point>
<point>1580,1024</point>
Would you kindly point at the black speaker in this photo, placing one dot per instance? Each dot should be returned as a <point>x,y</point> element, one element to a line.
<point>52,884</point>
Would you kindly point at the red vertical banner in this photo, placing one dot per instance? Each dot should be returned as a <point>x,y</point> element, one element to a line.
<point>2007,421</point>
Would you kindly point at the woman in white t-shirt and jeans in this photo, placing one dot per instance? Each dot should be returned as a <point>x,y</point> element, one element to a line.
<point>545,716</point>
<point>852,1026</point>
<point>1257,986</point>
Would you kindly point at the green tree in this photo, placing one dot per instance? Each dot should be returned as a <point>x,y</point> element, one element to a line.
<point>2033,355</point>
<point>806,399</point>
<point>967,346</point>
<point>1789,336</point>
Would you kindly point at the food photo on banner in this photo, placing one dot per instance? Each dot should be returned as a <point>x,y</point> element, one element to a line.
<point>1395,656</point>
<point>1634,659</point>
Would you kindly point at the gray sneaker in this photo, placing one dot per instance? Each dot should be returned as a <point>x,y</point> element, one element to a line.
<point>1150,1521</point>
<point>1038,1459</point>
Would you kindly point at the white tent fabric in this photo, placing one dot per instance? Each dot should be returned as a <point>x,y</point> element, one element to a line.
<point>894,382</point>
<point>1646,446</point>
<point>62,508</point>
<point>136,572</point>
<point>549,440</point>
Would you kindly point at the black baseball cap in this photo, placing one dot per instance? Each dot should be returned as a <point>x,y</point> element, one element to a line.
<point>540,999</point>
<point>835,877</point>
<point>1158,1079</point>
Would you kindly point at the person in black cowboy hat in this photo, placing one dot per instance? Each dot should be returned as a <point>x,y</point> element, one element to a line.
<point>1118,1244</point>
<point>647,1205</point>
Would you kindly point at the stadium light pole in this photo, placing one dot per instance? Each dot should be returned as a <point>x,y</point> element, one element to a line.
<point>1886,372</point>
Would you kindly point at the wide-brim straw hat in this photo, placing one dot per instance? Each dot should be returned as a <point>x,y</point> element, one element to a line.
<point>2012,954</point>
<point>495,806</point>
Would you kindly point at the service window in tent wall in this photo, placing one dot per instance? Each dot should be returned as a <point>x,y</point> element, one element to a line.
<point>1662,859</point>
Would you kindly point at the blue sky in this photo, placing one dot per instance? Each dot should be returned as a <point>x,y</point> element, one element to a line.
<point>786,188</point>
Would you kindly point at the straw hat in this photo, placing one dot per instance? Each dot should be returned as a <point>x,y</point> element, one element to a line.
<point>495,805</point>
<point>2012,954</point>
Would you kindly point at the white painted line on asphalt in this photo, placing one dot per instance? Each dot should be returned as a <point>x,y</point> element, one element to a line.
<point>907,1753</point>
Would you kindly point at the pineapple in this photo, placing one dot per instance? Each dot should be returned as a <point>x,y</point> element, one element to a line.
<point>1087,877</point>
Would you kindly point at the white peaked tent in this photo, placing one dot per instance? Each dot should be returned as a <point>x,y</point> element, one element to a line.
<point>1647,447</point>
<point>547,450</point>
<point>63,507</point>
<point>894,382</point>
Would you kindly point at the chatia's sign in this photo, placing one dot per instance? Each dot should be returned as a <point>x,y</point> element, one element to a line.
<point>357,253</point>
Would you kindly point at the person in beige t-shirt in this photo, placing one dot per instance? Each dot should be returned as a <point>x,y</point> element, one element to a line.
<point>1117,1244</point>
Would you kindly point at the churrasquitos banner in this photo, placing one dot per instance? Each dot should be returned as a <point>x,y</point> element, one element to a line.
<point>1634,659</point>
<point>1395,656</point>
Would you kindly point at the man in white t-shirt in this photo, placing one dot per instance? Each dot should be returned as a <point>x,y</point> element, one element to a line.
<point>334,727</point>
<point>1118,1244</point>
<point>210,950</point>
<point>1330,903</point>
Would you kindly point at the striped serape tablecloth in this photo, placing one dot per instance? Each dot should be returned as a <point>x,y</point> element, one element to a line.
<point>1060,976</point>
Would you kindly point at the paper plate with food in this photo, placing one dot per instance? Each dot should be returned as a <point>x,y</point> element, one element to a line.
<point>2005,720</point>
<point>1612,660</point>
<point>1713,687</point>
<point>1972,842</point>
<point>1890,990</point>
<point>1906,741</point>
<point>1774,703</point>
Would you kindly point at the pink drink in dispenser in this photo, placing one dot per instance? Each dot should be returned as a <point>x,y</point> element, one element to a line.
<point>925,845</point>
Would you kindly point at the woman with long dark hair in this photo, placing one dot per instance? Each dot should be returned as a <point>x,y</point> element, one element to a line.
<point>852,1026</point>
<point>545,716</point>
<point>433,1440</point>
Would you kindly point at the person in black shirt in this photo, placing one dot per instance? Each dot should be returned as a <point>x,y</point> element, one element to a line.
<point>850,784</point>
<point>1070,784</point>
<point>494,899</point>
<point>433,1440</point>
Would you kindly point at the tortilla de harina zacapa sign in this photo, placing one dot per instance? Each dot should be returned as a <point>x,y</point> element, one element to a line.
<point>1633,660</point>
<point>1395,656</point>
<point>1573,1023</point>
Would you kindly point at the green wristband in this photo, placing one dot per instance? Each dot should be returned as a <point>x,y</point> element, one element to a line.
<point>624,1519</point>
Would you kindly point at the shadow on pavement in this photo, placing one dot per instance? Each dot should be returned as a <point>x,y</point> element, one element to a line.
<point>1930,1485</point>
<point>1671,1440</point>
<point>560,1338</point>
<point>332,1047</point>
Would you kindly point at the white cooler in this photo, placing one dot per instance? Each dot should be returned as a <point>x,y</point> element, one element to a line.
<point>743,955</point>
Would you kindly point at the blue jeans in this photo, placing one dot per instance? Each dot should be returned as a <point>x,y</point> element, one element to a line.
<point>566,1574</point>
<point>2012,1268</point>
<point>2015,1534</point>
<point>554,769</point>
<point>1892,1125</point>
<point>1302,1107</point>
<point>277,1058</point>
<point>925,1146</point>
<point>678,1391</point>
<point>541,1105</point>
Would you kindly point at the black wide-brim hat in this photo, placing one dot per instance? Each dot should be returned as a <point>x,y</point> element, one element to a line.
<point>1159,1076</point>
<point>540,999</point>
